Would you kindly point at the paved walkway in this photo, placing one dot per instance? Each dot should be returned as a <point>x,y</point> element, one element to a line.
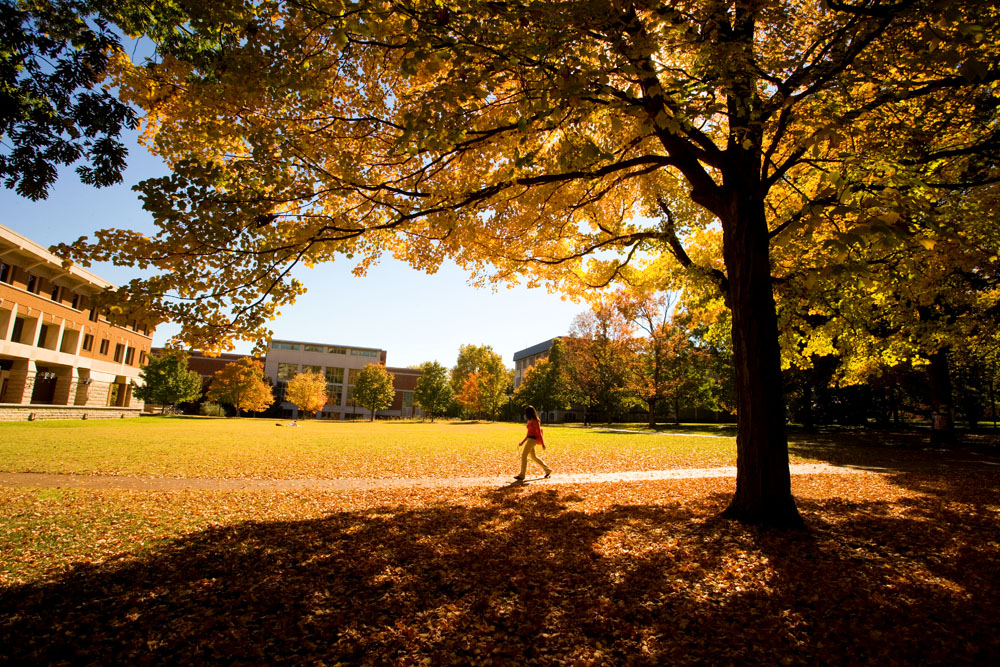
<point>31,479</point>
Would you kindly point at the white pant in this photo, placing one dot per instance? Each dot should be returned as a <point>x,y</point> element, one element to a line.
<point>529,450</point>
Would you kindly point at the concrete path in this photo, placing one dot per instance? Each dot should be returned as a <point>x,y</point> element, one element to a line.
<point>30,479</point>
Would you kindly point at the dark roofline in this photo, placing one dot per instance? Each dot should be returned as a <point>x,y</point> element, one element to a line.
<point>534,349</point>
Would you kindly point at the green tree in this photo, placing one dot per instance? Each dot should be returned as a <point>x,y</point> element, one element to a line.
<point>576,142</point>
<point>307,391</point>
<point>433,392</point>
<point>373,388</point>
<point>241,384</point>
<point>547,383</point>
<point>166,380</point>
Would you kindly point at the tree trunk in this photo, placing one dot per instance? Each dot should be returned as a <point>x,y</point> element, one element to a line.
<point>677,411</point>
<point>942,408</point>
<point>763,483</point>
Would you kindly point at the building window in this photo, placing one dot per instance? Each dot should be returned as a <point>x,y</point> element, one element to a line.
<point>130,356</point>
<point>33,285</point>
<point>43,333</point>
<point>336,350</point>
<point>94,315</point>
<point>56,292</point>
<point>364,353</point>
<point>119,351</point>
<point>407,399</point>
<point>312,348</point>
<point>352,375</point>
<point>284,346</point>
<point>88,342</point>
<point>335,375</point>
<point>76,301</point>
<point>105,344</point>
<point>15,335</point>
<point>6,272</point>
<point>142,357</point>
<point>312,369</point>
<point>287,371</point>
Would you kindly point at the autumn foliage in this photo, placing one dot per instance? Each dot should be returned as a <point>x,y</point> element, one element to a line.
<point>307,391</point>
<point>241,384</point>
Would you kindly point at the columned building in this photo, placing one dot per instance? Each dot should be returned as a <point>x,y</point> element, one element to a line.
<point>60,357</point>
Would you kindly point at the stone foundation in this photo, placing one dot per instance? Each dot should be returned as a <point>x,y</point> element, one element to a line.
<point>15,413</point>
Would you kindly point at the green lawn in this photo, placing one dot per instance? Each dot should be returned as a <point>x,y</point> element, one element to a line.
<point>258,448</point>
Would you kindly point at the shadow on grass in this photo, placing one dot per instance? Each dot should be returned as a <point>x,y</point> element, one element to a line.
<point>527,579</point>
<point>889,451</point>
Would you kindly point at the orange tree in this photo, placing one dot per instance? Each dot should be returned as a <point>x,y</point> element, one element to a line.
<point>571,142</point>
<point>307,391</point>
<point>241,384</point>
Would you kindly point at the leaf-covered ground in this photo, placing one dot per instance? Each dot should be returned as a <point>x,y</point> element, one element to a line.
<point>896,569</point>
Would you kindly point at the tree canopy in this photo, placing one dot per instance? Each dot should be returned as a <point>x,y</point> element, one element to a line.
<point>373,388</point>
<point>241,384</point>
<point>570,143</point>
<point>307,391</point>
<point>433,392</point>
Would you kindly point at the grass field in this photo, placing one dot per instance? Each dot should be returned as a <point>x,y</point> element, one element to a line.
<point>257,448</point>
<point>898,567</point>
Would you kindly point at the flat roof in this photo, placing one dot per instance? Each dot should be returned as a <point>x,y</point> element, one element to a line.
<point>533,350</point>
<point>310,342</point>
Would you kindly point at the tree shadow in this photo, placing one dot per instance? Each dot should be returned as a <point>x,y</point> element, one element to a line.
<point>528,577</point>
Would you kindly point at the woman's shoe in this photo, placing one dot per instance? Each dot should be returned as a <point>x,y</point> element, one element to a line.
<point>518,478</point>
<point>548,474</point>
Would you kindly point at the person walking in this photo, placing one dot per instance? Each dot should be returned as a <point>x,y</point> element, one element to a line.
<point>533,437</point>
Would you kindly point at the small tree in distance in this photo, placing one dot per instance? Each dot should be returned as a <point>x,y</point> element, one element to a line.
<point>433,392</point>
<point>167,380</point>
<point>469,397</point>
<point>307,391</point>
<point>373,388</point>
<point>241,384</point>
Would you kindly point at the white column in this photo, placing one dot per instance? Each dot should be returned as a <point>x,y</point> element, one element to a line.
<point>10,324</point>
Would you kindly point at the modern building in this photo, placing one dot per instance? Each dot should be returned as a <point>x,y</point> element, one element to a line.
<point>341,365</point>
<point>60,357</point>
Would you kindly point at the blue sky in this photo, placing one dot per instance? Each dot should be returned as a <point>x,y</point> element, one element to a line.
<point>414,316</point>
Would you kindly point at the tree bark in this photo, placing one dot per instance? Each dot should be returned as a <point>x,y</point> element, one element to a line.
<point>942,407</point>
<point>763,483</point>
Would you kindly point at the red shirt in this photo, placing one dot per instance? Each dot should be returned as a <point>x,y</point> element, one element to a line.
<point>535,431</point>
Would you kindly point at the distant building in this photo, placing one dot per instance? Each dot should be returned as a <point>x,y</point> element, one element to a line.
<point>526,358</point>
<point>340,364</point>
<point>60,357</point>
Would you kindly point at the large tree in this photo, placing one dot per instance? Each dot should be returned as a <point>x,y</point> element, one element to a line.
<point>563,140</point>
<point>166,380</point>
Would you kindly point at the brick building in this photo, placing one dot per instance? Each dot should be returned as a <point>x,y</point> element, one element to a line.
<point>60,357</point>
